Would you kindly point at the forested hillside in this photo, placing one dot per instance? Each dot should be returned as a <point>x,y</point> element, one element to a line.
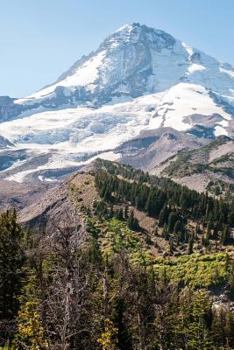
<point>145,264</point>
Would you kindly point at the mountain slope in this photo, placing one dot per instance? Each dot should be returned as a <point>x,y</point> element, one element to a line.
<point>106,189</point>
<point>147,247</point>
<point>154,147</point>
<point>139,79</point>
<point>134,61</point>
<point>210,167</point>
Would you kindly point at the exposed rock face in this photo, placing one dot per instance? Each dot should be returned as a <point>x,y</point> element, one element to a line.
<point>151,149</point>
<point>208,168</point>
<point>8,109</point>
<point>139,79</point>
<point>4,143</point>
<point>134,61</point>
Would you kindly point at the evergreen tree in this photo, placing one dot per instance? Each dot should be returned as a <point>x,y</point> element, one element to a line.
<point>190,245</point>
<point>225,235</point>
<point>11,262</point>
<point>171,221</point>
<point>119,214</point>
<point>177,226</point>
<point>132,222</point>
<point>163,216</point>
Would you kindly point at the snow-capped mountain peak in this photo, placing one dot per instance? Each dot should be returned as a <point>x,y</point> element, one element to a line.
<point>139,78</point>
<point>109,70</point>
<point>134,61</point>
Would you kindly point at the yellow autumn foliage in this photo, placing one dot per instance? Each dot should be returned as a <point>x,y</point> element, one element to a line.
<point>108,336</point>
<point>30,330</point>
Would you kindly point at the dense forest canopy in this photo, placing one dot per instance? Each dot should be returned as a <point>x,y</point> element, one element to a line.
<point>98,283</point>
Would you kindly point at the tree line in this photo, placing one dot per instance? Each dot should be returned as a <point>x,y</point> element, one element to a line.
<point>61,292</point>
<point>171,204</point>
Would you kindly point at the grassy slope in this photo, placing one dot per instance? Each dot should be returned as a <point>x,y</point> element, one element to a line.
<point>203,270</point>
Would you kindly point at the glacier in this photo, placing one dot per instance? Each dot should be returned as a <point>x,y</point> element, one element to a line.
<point>139,78</point>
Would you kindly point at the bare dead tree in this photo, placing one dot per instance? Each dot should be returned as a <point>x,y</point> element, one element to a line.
<point>67,288</point>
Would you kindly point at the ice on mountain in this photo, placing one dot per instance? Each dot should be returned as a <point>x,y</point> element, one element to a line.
<point>138,79</point>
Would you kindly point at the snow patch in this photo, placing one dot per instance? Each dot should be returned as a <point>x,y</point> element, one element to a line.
<point>219,130</point>
<point>85,75</point>
<point>188,48</point>
<point>228,72</point>
<point>195,68</point>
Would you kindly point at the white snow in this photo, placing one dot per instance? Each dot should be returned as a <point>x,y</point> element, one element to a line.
<point>124,28</point>
<point>184,100</point>
<point>195,68</point>
<point>228,72</point>
<point>180,85</point>
<point>71,133</point>
<point>52,164</point>
<point>188,48</point>
<point>85,75</point>
<point>170,65</point>
<point>58,162</point>
<point>167,67</point>
<point>220,131</point>
<point>46,179</point>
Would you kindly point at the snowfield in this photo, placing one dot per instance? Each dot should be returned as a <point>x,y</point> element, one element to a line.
<point>89,130</point>
<point>138,79</point>
<point>77,131</point>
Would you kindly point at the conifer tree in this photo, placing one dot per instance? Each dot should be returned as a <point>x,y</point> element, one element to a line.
<point>11,262</point>
<point>132,222</point>
<point>225,235</point>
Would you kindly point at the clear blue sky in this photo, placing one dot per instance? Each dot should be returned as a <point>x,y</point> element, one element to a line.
<point>39,39</point>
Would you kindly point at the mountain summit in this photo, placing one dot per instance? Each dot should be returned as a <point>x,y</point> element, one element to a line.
<point>138,79</point>
<point>134,61</point>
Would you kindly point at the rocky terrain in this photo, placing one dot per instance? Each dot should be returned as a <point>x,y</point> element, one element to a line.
<point>208,168</point>
<point>151,149</point>
<point>116,202</point>
<point>138,81</point>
